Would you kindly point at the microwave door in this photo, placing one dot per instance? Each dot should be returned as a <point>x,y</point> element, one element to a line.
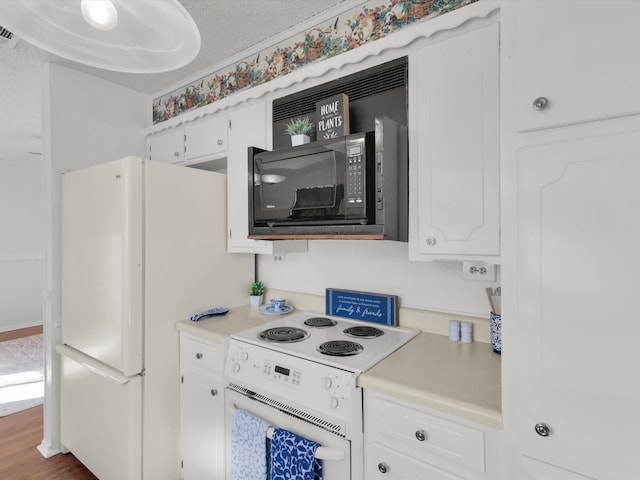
<point>289,189</point>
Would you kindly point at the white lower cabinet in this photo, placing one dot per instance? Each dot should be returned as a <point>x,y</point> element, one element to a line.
<point>201,409</point>
<point>578,216</point>
<point>533,469</point>
<point>405,441</point>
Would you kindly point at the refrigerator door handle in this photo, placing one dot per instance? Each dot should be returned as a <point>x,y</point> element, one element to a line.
<point>94,365</point>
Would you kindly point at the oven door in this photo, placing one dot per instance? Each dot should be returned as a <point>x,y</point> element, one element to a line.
<point>335,451</point>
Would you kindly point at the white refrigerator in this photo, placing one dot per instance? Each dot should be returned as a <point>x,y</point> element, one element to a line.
<point>143,246</point>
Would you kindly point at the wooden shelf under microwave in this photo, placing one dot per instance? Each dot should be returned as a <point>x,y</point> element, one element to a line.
<point>318,237</point>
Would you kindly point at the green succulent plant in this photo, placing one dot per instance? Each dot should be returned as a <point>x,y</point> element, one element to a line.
<point>257,289</point>
<point>300,126</point>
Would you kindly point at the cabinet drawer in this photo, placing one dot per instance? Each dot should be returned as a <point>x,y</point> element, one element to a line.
<point>201,354</point>
<point>381,462</point>
<point>419,434</point>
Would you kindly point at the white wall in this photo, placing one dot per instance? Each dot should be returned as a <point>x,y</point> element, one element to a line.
<point>378,267</point>
<point>21,243</point>
<point>86,121</point>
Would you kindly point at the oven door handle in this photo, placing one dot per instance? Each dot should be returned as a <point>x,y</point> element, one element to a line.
<point>322,453</point>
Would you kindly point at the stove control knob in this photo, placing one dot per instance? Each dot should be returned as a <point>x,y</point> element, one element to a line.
<point>236,367</point>
<point>333,403</point>
<point>326,382</point>
<point>244,356</point>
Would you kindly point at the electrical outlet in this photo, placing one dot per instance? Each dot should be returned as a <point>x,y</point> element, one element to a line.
<point>479,271</point>
<point>278,258</point>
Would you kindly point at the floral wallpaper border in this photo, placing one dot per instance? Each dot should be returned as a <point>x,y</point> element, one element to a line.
<point>366,23</point>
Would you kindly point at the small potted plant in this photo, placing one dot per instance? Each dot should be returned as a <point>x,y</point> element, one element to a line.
<point>256,293</point>
<point>300,130</point>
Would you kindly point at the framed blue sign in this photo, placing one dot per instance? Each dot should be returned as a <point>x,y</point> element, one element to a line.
<point>371,307</point>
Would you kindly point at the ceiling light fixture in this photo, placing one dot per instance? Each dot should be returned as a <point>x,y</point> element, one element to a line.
<point>100,14</point>
<point>149,36</point>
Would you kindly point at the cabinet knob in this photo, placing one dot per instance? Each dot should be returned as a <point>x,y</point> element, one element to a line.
<point>176,154</point>
<point>199,356</point>
<point>431,241</point>
<point>421,435</point>
<point>383,467</point>
<point>219,141</point>
<point>540,103</point>
<point>543,429</point>
<point>214,392</point>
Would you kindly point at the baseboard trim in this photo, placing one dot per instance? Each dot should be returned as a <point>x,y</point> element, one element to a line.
<point>46,451</point>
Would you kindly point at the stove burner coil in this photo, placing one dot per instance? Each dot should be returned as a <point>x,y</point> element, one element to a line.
<point>283,334</point>
<point>340,348</point>
<point>363,331</point>
<point>320,322</point>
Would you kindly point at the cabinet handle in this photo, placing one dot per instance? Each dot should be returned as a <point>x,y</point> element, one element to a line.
<point>431,241</point>
<point>543,429</point>
<point>214,392</point>
<point>383,467</point>
<point>421,435</point>
<point>199,356</point>
<point>219,141</point>
<point>540,103</point>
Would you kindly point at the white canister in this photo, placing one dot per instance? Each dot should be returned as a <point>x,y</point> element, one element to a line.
<point>466,332</point>
<point>454,330</point>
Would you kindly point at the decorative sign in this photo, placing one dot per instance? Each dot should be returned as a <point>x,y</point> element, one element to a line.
<point>370,307</point>
<point>332,117</point>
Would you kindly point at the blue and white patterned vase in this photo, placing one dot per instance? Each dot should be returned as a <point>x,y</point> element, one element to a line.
<point>496,333</point>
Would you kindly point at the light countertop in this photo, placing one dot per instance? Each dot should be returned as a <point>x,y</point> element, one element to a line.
<point>216,329</point>
<point>453,377</point>
<point>431,371</point>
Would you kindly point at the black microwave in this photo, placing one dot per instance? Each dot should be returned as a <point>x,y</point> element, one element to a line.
<point>354,186</point>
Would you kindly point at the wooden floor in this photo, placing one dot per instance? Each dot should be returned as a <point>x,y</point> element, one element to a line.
<point>23,332</point>
<point>21,433</point>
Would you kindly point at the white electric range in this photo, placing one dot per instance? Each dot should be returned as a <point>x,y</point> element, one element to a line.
<point>299,372</point>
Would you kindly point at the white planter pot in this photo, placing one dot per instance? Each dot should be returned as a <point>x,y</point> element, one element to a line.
<point>299,139</point>
<point>255,300</point>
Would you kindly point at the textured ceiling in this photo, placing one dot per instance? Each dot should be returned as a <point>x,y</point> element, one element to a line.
<point>226,27</point>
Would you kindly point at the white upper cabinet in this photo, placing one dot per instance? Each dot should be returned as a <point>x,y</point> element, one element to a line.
<point>196,141</point>
<point>166,146</point>
<point>589,72</point>
<point>454,170</point>
<point>248,128</point>
<point>205,138</point>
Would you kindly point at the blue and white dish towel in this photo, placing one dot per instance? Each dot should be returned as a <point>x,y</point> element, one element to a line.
<point>248,447</point>
<point>293,457</point>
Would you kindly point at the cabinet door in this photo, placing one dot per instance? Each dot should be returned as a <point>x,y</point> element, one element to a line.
<point>580,56</point>
<point>201,411</point>
<point>455,160</point>
<point>166,146</point>
<point>577,269</point>
<point>247,128</point>
<point>205,138</point>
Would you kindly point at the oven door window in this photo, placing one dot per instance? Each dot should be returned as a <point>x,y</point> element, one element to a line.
<point>337,449</point>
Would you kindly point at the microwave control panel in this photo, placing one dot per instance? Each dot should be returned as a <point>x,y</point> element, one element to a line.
<point>355,175</point>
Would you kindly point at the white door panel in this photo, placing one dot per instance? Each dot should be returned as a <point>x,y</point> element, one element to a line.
<point>102,263</point>
<point>101,421</point>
